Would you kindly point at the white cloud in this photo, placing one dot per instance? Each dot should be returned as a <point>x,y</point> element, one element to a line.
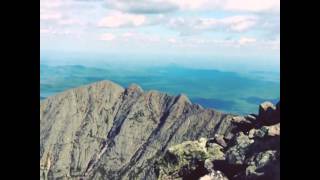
<point>118,19</point>
<point>208,21</point>
<point>49,9</point>
<point>107,37</point>
<point>50,3</point>
<point>197,4</point>
<point>50,15</point>
<point>44,31</point>
<point>142,6</point>
<point>136,37</point>
<point>66,12</point>
<point>55,32</point>
<point>52,31</point>
<point>165,6</point>
<point>146,37</point>
<point>193,25</point>
<point>127,34</point>
<point>240,23</point>
<point>233,23</point>
<point>172,40</point>
<point>246,40</point>
<point>71,21</point>
<point>229,5</point>
<point>252,5</point>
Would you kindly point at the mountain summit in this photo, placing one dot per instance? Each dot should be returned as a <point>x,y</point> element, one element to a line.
<point>105,131</point>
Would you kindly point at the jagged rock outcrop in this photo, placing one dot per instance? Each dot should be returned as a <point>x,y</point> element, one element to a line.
<point>188,159</point>
<point>104,131</point>
<point>253,153</point>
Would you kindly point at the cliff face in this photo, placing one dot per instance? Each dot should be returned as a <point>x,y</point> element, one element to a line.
<point>103,131</point>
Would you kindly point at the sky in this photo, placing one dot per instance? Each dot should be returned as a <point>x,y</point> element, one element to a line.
<point>232,29</point>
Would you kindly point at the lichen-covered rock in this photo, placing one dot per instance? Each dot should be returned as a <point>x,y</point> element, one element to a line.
<point>219,139</point>
<point>236,154</point>
<point>240,119</point>
<point>258,164</point>
<point>273,130</point>
<point>187,158</point>
<point>258,133</point>
<point>253,154</point>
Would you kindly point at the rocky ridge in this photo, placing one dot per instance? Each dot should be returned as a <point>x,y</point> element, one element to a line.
<point>253,153</point>
<point>105,131</point>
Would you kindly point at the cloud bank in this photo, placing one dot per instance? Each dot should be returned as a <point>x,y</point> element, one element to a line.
<point>200,25</point>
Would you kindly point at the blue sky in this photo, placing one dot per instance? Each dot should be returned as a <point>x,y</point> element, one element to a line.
<point>243,29</point>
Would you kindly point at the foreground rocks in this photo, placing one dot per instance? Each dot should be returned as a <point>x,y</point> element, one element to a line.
<point>252,154</point>
<point>105,131</point>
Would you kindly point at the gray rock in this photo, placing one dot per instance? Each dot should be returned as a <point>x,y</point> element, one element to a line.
<point>103,131</point>
<point>214,175</point>
<point>265,107</point>
<point>242,123</point>
<point>188,158</point>
<point>268,115</point>
<point>236,154</point>
<point>258,164</point>
<point>219,139</point>
<point>251,117</point>
<point>273,130</point>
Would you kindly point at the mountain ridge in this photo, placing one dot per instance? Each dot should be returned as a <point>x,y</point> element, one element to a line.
<point>103,130</point>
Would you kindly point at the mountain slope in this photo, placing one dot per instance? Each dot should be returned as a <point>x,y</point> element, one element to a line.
<point>104,131</point>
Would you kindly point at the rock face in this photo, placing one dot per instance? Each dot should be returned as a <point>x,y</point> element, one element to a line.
<point>252,154</point>
<point>105,131</point>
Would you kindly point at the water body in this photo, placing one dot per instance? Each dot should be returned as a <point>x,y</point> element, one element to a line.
<point>225,91</point>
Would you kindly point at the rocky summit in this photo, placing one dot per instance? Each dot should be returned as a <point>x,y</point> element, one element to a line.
<point>105,131</point>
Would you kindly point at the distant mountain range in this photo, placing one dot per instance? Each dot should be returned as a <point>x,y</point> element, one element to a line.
<point>105,131</point>
<point>225,91</point>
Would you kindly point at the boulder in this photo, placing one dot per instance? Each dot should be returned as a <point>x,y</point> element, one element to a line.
<point>251,117</point>
<point>214,175</point>
<point>236,154</point>
<point>242,123</point>
<point>190,158</point>
<point>219,139</point>
<point>259,165</point>
<point>273,130</point>
<point>268,114</point>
